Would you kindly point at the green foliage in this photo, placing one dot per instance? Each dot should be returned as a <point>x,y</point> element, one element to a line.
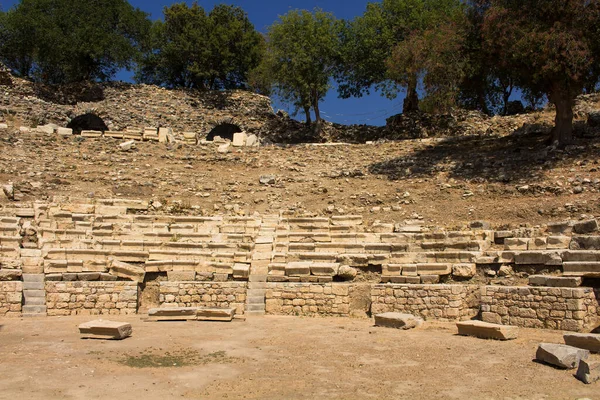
<point>549,47</point>
<point>368,43</point>
<point>59,41</point>
<point>193,49</point>
<point>302,50</point>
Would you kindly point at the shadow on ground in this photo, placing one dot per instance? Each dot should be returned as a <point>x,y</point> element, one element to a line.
<point>495,158</point>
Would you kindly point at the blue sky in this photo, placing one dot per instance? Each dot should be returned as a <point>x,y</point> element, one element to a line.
<point>372,110</point>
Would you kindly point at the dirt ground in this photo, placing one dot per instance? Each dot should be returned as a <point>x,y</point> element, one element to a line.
<point>275,358</point>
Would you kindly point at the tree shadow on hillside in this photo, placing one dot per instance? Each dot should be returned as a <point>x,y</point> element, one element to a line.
<point>70,94</point>
<point>519,155</point>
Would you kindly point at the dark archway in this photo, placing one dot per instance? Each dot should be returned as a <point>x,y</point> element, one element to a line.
<point>87,122</point>
<point>225,131</point>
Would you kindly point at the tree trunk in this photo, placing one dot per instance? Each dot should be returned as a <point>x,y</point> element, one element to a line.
<point>315,103</point>
<point>562,134</point>
<point>307,112</point>
<point>411,102</point>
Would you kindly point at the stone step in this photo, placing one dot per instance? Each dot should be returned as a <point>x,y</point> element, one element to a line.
<point>35,309</point>
<point>254,313</point>
<point>33,277</point>
<point>255,300</point>
<point>256,292</point>
<point>257,278</point>
<point>35,301</point>
<point>34,293</point>
<point>554,281</point>
<point>257,285</point>
<point>255,307</point>
<point>33,285</point>
<point>590,269</point>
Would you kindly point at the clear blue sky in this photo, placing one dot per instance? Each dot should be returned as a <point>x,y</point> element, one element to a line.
<point>372,110</point>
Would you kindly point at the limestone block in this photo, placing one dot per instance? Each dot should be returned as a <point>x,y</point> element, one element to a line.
<point>538,243</point>
<point>434,269</point>
<point>347,273</point>
<point>239,139</point>
<point>486,330</point>
<point>64,131</point>
<point>560,355</point>
<point>464,270</point>
<point>128,271</point>
<point>10,274</point>
<point>587,341</point>
<point>584,269</point>
<point>398,320</point>
<point>585,227</point>
<point>430,279</point>
<point>172,314</point>
<point>516,243</point>
<point>297,269</point>
<point>554,281</point>
<point>91,134</point>
<point>560,227</point>
<point>324,269</point>
<point>215,314</point>
<point>585,243</point>
<point>588,371</point>
<point>558,242</point>
<point>501,236</point>
<point>537,258</point>
<point>252,140</point>
<point>101,329</point>
<point>181,276</point>
<point>241,271</point>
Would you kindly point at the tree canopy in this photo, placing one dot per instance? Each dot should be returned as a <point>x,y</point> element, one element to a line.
<point>368,43</point>
<point>302,54</point>
<point>59,41</point>
<point>549,47</point>
<point>193,49</point>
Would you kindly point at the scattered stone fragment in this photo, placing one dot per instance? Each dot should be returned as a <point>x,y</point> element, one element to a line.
<point>588,371</point>
<point>587,341</point>
<point>398,320</point>
<point>126,146</point>
<point>347,273</point>
<point>486,330</point>
<point>101,329</point>
<point>9,191</point>
<point>267,179</point>
<point>560,355</point>
<point>224,148</point>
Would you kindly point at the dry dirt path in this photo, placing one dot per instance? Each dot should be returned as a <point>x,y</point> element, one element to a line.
<point>274,358</point>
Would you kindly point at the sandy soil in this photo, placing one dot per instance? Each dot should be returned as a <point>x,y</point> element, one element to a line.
<point>275,358</point>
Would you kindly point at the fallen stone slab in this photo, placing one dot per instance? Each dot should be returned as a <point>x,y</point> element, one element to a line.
<point>398,320</point>
<point>101,329</point>
<point>215,314</point>
<point>172,314</point>
<point>127,271</point>
<point>486,330</point>
<point>586,341</point>
<point>560,355</point>
<point>588,371</point>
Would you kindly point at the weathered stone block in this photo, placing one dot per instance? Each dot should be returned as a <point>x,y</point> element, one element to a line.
<point>588,371</point>
<point>181,276</point>
<point>486,330</point>
<point>585,227</point>
<point>172,314</point>
<point>560,355</point>
<point>554,281</point>
<point>128,271</point>
<point>586,341</point>
<point>215,314</point>
<point>464,270</point>
<point>398,320</point>
<point>101,329</point>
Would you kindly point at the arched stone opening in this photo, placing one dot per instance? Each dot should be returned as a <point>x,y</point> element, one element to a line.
<point>224,130</point>
<point>87,122</point>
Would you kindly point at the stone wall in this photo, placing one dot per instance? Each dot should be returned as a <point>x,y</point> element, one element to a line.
<point>11,297</point>
<point>572,309</point>
<point>440,302</point>
<point>91,298</point>
<point>337,299</point>
<point>204,294</point>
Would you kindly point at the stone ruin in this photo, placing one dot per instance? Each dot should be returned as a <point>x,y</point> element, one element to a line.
<point>113,256</point>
